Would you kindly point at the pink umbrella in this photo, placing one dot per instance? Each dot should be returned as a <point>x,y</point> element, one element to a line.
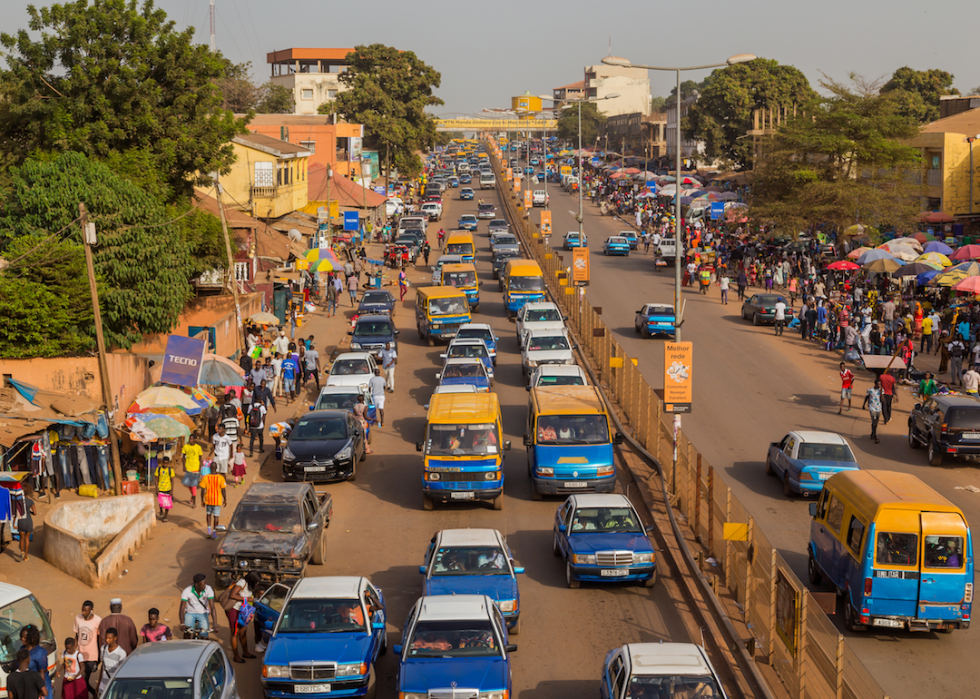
<point>971,285</point>
<point>632,171</point>
<point>967,252</point>
<point>845,265</point>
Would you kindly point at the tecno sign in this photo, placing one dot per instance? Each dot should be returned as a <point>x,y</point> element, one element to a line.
<point>182,361</point>
<point>177,359</point>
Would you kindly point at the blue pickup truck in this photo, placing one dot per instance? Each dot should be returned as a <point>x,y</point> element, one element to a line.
<point>601,539</point>
<point>326,640</point>
<point>474,561</point>
<point>656,319</point>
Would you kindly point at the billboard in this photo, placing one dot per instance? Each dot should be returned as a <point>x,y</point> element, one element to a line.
<point>678,386</point>
<point>355,145</point>
<point>370,165</point>
<point>527,198</point>
<point>580,266</point>
<point>182,360</point>
<point>546,222</point>
<point>351,221</point>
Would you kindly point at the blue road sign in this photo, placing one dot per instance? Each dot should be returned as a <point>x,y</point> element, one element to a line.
<point>717,210</point>
<point>351,221</point>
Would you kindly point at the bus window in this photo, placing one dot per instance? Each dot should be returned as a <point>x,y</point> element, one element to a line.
<point>835,514</point>
<point>897,549</point>
<point>855,532</point>
<point>943,552</point>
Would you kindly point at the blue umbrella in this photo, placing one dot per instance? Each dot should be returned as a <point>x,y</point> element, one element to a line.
<point>215,373</point>
<point>876,254</point>
<point>936,246</point>
<point>926,277</point>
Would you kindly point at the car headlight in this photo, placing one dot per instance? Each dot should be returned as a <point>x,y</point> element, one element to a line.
<point>288,455</point>
<point>491,475</point>
<point>643,557</point>
<point>546,471</point>
<point>293,563</point>
<point>355,345</point>
<point>495,694</point>
<point>605,470</point>
<point>570,361</point>
<point>344,453</point>
<point>352,669</point>
<point>532,363</point>
<point>275,671</point>
<point>507,605</point>
<point>586,558</point>
<point>433,476</point>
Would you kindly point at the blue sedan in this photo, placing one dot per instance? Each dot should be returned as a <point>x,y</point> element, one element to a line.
<point>632,238</point>
<point>376,301</point>
<point>468,222</point>
<point>803,460</point>
<point>465,179</point>
<point>466,194</point>
<point>616,245</point>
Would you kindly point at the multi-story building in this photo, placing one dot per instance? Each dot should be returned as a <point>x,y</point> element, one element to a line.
<point>636,134</point>
<point>569,93</point>
<point>691,149</point>
<point>631,84</point>
<point>950,159</point>
<point>268,178</point>
<point>329,141</point>
<point>313,75</point>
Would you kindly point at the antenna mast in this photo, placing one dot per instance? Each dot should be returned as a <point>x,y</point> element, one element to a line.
<point>211,14</point>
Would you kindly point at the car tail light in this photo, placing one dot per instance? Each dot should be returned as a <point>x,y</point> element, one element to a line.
<point>867,587</point>
<point>968,593</point>
<point>943,428</point>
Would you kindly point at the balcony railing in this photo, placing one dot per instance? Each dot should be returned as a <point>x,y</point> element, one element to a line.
<point>934,178</point>
<point>265,192</point>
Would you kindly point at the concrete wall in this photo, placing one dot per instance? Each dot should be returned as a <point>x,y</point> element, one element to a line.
<point>128,375</point>
<point>208,311</point>
<point>321,85</point>
<point>269,202</point>
<point>92,540</point>
<point>316,133</point>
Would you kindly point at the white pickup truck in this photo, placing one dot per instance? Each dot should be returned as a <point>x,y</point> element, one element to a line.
<point>540,198</point>
<point>668,250</point>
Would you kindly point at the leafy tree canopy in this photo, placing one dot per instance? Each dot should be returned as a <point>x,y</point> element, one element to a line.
<point>723,113</point>
<point>388,91</point>
<point>105,76</point>
<point>917,92</point>
<point>142,259</point>
<point>844,159</point>
<point>592,121</point>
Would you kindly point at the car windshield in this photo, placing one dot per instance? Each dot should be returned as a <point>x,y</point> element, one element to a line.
<point>606,519</point>
<point>548,343</point>
<point>161,687</point>
<point>448,307</point>
<point>501,256</point>
<point>470,638</point>
<point>468,218</point>
<point>322,616</point>
<point>620,241</point>
<point>372,327</point>
<point>314,429</point>
<point>470,560</point>
<point>463,440</point>
<point>504,239</point>
<point>499,223</point>
<point>475,334</point>
<point>468,351</point>
<point>665,686</point>
<point>261,517</point>
<point>460,248</point>
<point>541,315</point>
<point>486,207</point>
<point>349,367</point>
<point>14,617</point>
<point>464,371</point>
<point>376,297</point>
<point>811,451</point>
<point>336,401</point>
<point>526,284</point>
<point>460,278</point>
<point>573,429</point>
<point>964,418</point>
<point>562,380</point>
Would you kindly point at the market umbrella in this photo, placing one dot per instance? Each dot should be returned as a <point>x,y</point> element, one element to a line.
<point>857,252</point>
<point>856,229</point>
<point>208,357</point>
<point>727,196</point>
<point>264,318</point>
<point>876,254</point>
<point>949,277</point>
<point>172,413</point>
<point>667,178</point>
<point>203,398</point>
<point>936,258</point>
<point>970,284</point>
<point>967,252</point>
<point>926,277</point>
<point>924,237</point>
<point>164,397</point>
<point>882,265</point>
<point>843,265</point>
<point>632,171</point>
<point>915,269</point>
<point>690,180</point>
<point>936,246</point>
<point>215,373</point>
<point>912,242</point>
<point>166,427</point>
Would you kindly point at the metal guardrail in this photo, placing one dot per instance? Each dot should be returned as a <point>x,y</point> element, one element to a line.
<point>790,632</point>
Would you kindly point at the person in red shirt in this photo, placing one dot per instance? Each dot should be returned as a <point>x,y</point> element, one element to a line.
<point>888,395</point>
<point>846,383</point>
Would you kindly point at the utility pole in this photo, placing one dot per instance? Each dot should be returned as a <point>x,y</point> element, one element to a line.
<point>231,262</point>
<point>88,236</point>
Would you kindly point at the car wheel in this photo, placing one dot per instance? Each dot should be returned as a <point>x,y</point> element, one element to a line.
<point>850,617</point>
<point>432,341</point>
<point>517,628</point>
<point>652,581</point>
<point>384,645</point>
<point>372,688</point>
<point>755,319</point>
<point>421,334</point>
<point>498,502</point>
<point>636,328</point>
<point>743,315</point>
<point>787,488</point>
<point>934,456</point>
<point>572,582</point>
<point>913,440</point>
<point>428,503</point>
<point>319,555</point>
<point>769,469</point>
<point>555,549</point>
<point>645,332</point>
<point>812,571</point>
<point>476,308</point>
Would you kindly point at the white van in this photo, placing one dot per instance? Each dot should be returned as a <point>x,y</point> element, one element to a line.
<point>488,180</point>
<point>18,608</point>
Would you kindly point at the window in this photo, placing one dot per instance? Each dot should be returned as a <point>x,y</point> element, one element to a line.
<point>309,145</point>
<point>897,549</point>
<point>215,669</point>
<point>855,533</point>
<point>264,175</point>
<point>943,552</point>
<point>788,449</point>
<point>307,94</point>
<point>331,94</point>
<point>835,514</point>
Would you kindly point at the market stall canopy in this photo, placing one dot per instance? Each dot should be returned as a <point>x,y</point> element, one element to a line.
<point>935,217</point>
<point>264,318</point>
<point>348,193</point>
<point>884,265</point>
<point>856,229</point>
<point>164,397</point>
<point>856,253</point>
<point>876,254</point>
<point>26,410</point>
<point>924,237</point>
<point>915,269</point>
<point>967,252</point>
<point>942,248</point>
<point>911,242</point>
<point>935,258</point>
<point>970,285</point>
<point>843,265</point>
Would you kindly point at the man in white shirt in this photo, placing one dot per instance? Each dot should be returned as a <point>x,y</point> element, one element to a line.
<point>276,364</point>
<point>281,343</point>
<point>724,283</point>
<point>692,271</point>
<point>376,386</point>
<point>221,445</point>
<point>780,318</point>
<point>197,606</point>
<point>971,381</point>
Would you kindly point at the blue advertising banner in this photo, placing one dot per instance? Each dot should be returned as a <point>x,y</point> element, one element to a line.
<point>595,162</point>
<point>379,190</point>
<point>717,210</point>
<point>182,360</point>
<point>350,221</point>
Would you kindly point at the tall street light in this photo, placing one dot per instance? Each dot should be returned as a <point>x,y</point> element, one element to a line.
<point>581,231</point>
<point>678,240</point>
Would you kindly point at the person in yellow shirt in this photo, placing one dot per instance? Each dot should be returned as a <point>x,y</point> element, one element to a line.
<point>214,496</point>
<point>165,487</point>
<point>925,345</point>
<point>192,453</point>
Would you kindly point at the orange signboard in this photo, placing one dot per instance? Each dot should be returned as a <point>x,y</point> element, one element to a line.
<point>527,198</point>
<point>517,186</point>
<point>546,222</point>
<point>678,386</point>
<point>580,266</point>
<point>510,174</point>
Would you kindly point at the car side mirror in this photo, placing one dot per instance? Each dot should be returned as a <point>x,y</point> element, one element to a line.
<point>312,525</point>
<point>418,446</point>
<point>398,332</point>
<point>618,438</point>
<point>312,407</point>
<point>527,388</point>
<point>442,356</point>
<point>397,650</point>
<point>378,626</point>
<point>439,376</point>
<point>813,509</point>
<point>350,332</point>
<point>511,647</point>
<point>518,570</point>
<point>507,445</point>
<point>422,570</point>
<point>918,405</point>
<point>527,439</point>
<point>561,527</point>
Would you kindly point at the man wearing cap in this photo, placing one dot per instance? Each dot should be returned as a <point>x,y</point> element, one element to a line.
<point>127,637</point>
<point>197,606</point>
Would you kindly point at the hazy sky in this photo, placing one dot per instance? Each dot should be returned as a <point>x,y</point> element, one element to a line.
<point>490,51</point>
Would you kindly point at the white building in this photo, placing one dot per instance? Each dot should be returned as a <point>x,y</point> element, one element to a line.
<point>313,75</point>
<point>690,149</point>
<point>631,84</point>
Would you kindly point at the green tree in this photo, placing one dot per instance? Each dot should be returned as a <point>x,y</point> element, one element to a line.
<point>723,112</point>
<point>917,92</point>
<point>104,76</point>
<point>658,104</point>
<point>274,99</point>
<point>142,259</point>
<point>388,92</point>
<point>239,92</point>
<point>843,160</point>
<point>201,233</point>
<point>592,121</point>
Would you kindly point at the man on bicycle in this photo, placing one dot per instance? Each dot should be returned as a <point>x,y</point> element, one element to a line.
<point>197,612</point>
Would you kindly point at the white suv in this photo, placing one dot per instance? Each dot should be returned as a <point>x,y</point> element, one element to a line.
<point>432,210</point>
<point>540,198</point>
<point>543,346</point>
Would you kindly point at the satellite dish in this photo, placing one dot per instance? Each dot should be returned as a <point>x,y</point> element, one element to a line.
<point>294,234</point>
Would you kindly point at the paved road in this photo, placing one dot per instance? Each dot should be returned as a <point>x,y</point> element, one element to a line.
<point>750,388</point>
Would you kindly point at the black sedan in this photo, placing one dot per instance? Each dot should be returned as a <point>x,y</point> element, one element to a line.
<point>376,301</point>
<point>761,308</point>
<point>325,445</point>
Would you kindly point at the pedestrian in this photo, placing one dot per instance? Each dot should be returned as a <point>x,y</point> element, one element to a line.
<point>197,607</point>
<point>742,282</point>
<point>352,289</point>
<point>389,358</point>
<point>25,683</point>
<point>779,317</point>
<point>165,476</point>
<point>927,385</point>
<point>313,364</point>
<point>238,466</point>
<point>221,450</point>
<point>281,343</point>
<point>331,295</point>
<point>276,365</point>
<point>125,628</point>
<point>87,640</point>
<point>426,249</point>
<point>264,396</point>
<point>358,268</point>
<point>214,496</point>
<point>888,395</point>
<point>111,657</point>
<point>957,350</point>
<point>289,378</point>
<point>72,673</point>
<point>705,277</point>
<point>724,282</point>
<point>402,285</point>
<point>872,401</point>
<point>192,453</point>
<point>360,413</point>
<point>30,637</point>
<point>241,596</point>
<point>846,383</point>
<point>376,387</point>
<point>153,631</point>
<point>25,528</point>
<point>925,344</point>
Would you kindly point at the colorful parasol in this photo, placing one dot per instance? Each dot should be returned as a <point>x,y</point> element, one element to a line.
<point>970,285</point>
<point>937,246</point>
<point>967,252</point>
<point>164,397</point>
<point>935,258</point>
<point>843,265</point>
<point>882,265</point>
<point>165,427</point>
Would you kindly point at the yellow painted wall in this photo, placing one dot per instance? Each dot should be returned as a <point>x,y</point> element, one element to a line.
<point>287,198</point>
<point>956,174</point>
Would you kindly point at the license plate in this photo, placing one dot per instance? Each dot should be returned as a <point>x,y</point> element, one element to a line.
<point>461,496</point>
<point>890,623</point>
<point>614,573</point>
<point>971,435</point>
<point>316,468</point>
<point>824,476</point>
<point>311,688</point>
<point>575,484</point>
